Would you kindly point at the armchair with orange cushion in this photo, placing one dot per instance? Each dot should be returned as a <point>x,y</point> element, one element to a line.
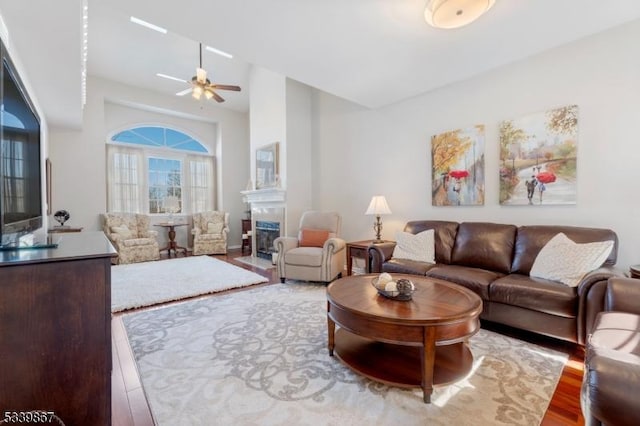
<point>317,254</point>
<point>131,237</point>
<point>210,230</point>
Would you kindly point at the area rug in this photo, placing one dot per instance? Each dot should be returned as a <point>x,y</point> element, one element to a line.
<point>148,283</point>
<point>259,357</point>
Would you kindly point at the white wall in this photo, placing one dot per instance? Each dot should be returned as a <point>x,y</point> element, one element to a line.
<point>281,111</point>
<point>267,112</point>
<point>79,161</point>
<point>298,153</point>
<point>359,153</point>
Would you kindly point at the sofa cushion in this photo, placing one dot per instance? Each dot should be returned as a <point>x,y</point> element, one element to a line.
<point>484,245</point>
<point>138,242</point>
<point>214,227</point>
<point>313,237</point>
<point>563,260</point>
<point>531,239</point>
<point>474,279</point>
<point>418,247</point>
<point>404,266</point>
<point>536,294</point>
<point>122,231</point>
<point>444,236</point>
<point>211,237</point>
<point>304,256</point>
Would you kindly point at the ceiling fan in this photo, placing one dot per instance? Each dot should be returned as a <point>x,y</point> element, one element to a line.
<point>201,85</point>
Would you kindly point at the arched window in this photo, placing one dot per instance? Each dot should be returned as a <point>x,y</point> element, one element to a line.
<point>158,170</point>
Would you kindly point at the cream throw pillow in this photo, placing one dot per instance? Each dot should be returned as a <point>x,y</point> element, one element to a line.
<point>122,230</point>
<point>214,228</point>
<point>561,259</point>
<point>419,247</point>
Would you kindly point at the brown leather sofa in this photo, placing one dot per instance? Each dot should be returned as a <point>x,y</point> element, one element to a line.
<point>611,382</point>
<point>494,260</point>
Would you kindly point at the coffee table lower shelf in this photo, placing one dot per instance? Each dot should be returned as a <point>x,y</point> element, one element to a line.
<point>400,365</point>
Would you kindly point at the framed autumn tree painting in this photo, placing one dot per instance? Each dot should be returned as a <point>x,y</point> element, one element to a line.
<point>457,161</point>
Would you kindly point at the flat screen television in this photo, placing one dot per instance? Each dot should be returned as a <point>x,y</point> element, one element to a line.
<point>20,164</point>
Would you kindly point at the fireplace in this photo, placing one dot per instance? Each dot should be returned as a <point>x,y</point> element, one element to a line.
<point>268,219</point>
<point>266,232</point>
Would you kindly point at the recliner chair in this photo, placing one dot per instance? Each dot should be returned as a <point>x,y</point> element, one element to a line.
<point>317,254</point>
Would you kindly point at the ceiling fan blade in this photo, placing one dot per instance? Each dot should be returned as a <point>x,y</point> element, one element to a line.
<point>226,87</point>
<point>184,92</point>
<point>217,97</point>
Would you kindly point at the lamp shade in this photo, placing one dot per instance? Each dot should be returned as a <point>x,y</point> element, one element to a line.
<point>455,13</point>
<point>171,204</point>
<point>378,206</point>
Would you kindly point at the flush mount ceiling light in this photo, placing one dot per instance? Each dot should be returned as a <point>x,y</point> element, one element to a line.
<point>455,13</point>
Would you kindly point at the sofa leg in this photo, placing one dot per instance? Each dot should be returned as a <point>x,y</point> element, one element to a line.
<point>282,279</point>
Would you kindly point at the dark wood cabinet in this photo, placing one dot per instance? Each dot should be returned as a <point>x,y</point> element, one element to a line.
<point>246,228</point>
<point>55,329</point>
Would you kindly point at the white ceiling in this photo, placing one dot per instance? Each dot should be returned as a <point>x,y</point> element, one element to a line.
<point>372,52</point>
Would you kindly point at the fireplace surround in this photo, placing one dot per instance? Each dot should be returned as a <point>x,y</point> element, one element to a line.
<point>268,214</point>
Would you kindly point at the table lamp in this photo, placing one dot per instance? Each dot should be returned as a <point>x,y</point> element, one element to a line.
<point>171,205</point>
<point>378,206</point>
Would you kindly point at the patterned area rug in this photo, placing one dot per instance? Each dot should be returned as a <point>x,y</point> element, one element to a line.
<point>149,283</point>
<point>260,357</point>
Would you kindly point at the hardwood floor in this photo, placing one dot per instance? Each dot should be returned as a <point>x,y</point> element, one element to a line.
<point>129,404</point>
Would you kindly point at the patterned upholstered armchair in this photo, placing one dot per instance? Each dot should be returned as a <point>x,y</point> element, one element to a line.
<point>131,236</point>
<point>210,231</point>
<point>317,254</point>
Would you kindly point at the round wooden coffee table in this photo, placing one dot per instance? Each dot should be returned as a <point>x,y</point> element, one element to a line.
<point>418,343</point>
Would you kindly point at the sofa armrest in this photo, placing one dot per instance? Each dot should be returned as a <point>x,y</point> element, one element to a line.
<point>113,237</point>
<point>613,383</point>
<point>591,295</point>
<point>623,294</point>
<point>380,253</point>
<point>284,244</point>
<point>334,244</point>
<point>148,233</point>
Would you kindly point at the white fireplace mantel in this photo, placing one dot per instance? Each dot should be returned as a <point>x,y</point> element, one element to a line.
<point>267,195</point>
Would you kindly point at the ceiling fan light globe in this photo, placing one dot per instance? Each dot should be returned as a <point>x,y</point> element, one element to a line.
<point>201,75</point>
<point>208,94</point>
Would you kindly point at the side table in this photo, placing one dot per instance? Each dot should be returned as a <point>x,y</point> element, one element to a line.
<point>171,232</point>
<point>358,249</point>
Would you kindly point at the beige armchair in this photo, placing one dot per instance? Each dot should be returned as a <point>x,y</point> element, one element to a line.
<point>317,254</point>
<point>210,230</point>
<point>131,236</point>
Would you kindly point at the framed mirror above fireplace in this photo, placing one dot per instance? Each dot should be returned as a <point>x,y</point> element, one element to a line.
<point>267,166</point>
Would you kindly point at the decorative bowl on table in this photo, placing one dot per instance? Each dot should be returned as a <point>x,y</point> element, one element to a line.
<point>401,289</point>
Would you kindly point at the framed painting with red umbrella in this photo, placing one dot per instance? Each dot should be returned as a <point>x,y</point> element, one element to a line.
<point>538,158</point>
<point>457,160</point>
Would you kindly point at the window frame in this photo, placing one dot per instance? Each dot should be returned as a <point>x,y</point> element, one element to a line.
<point>147,152</point>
